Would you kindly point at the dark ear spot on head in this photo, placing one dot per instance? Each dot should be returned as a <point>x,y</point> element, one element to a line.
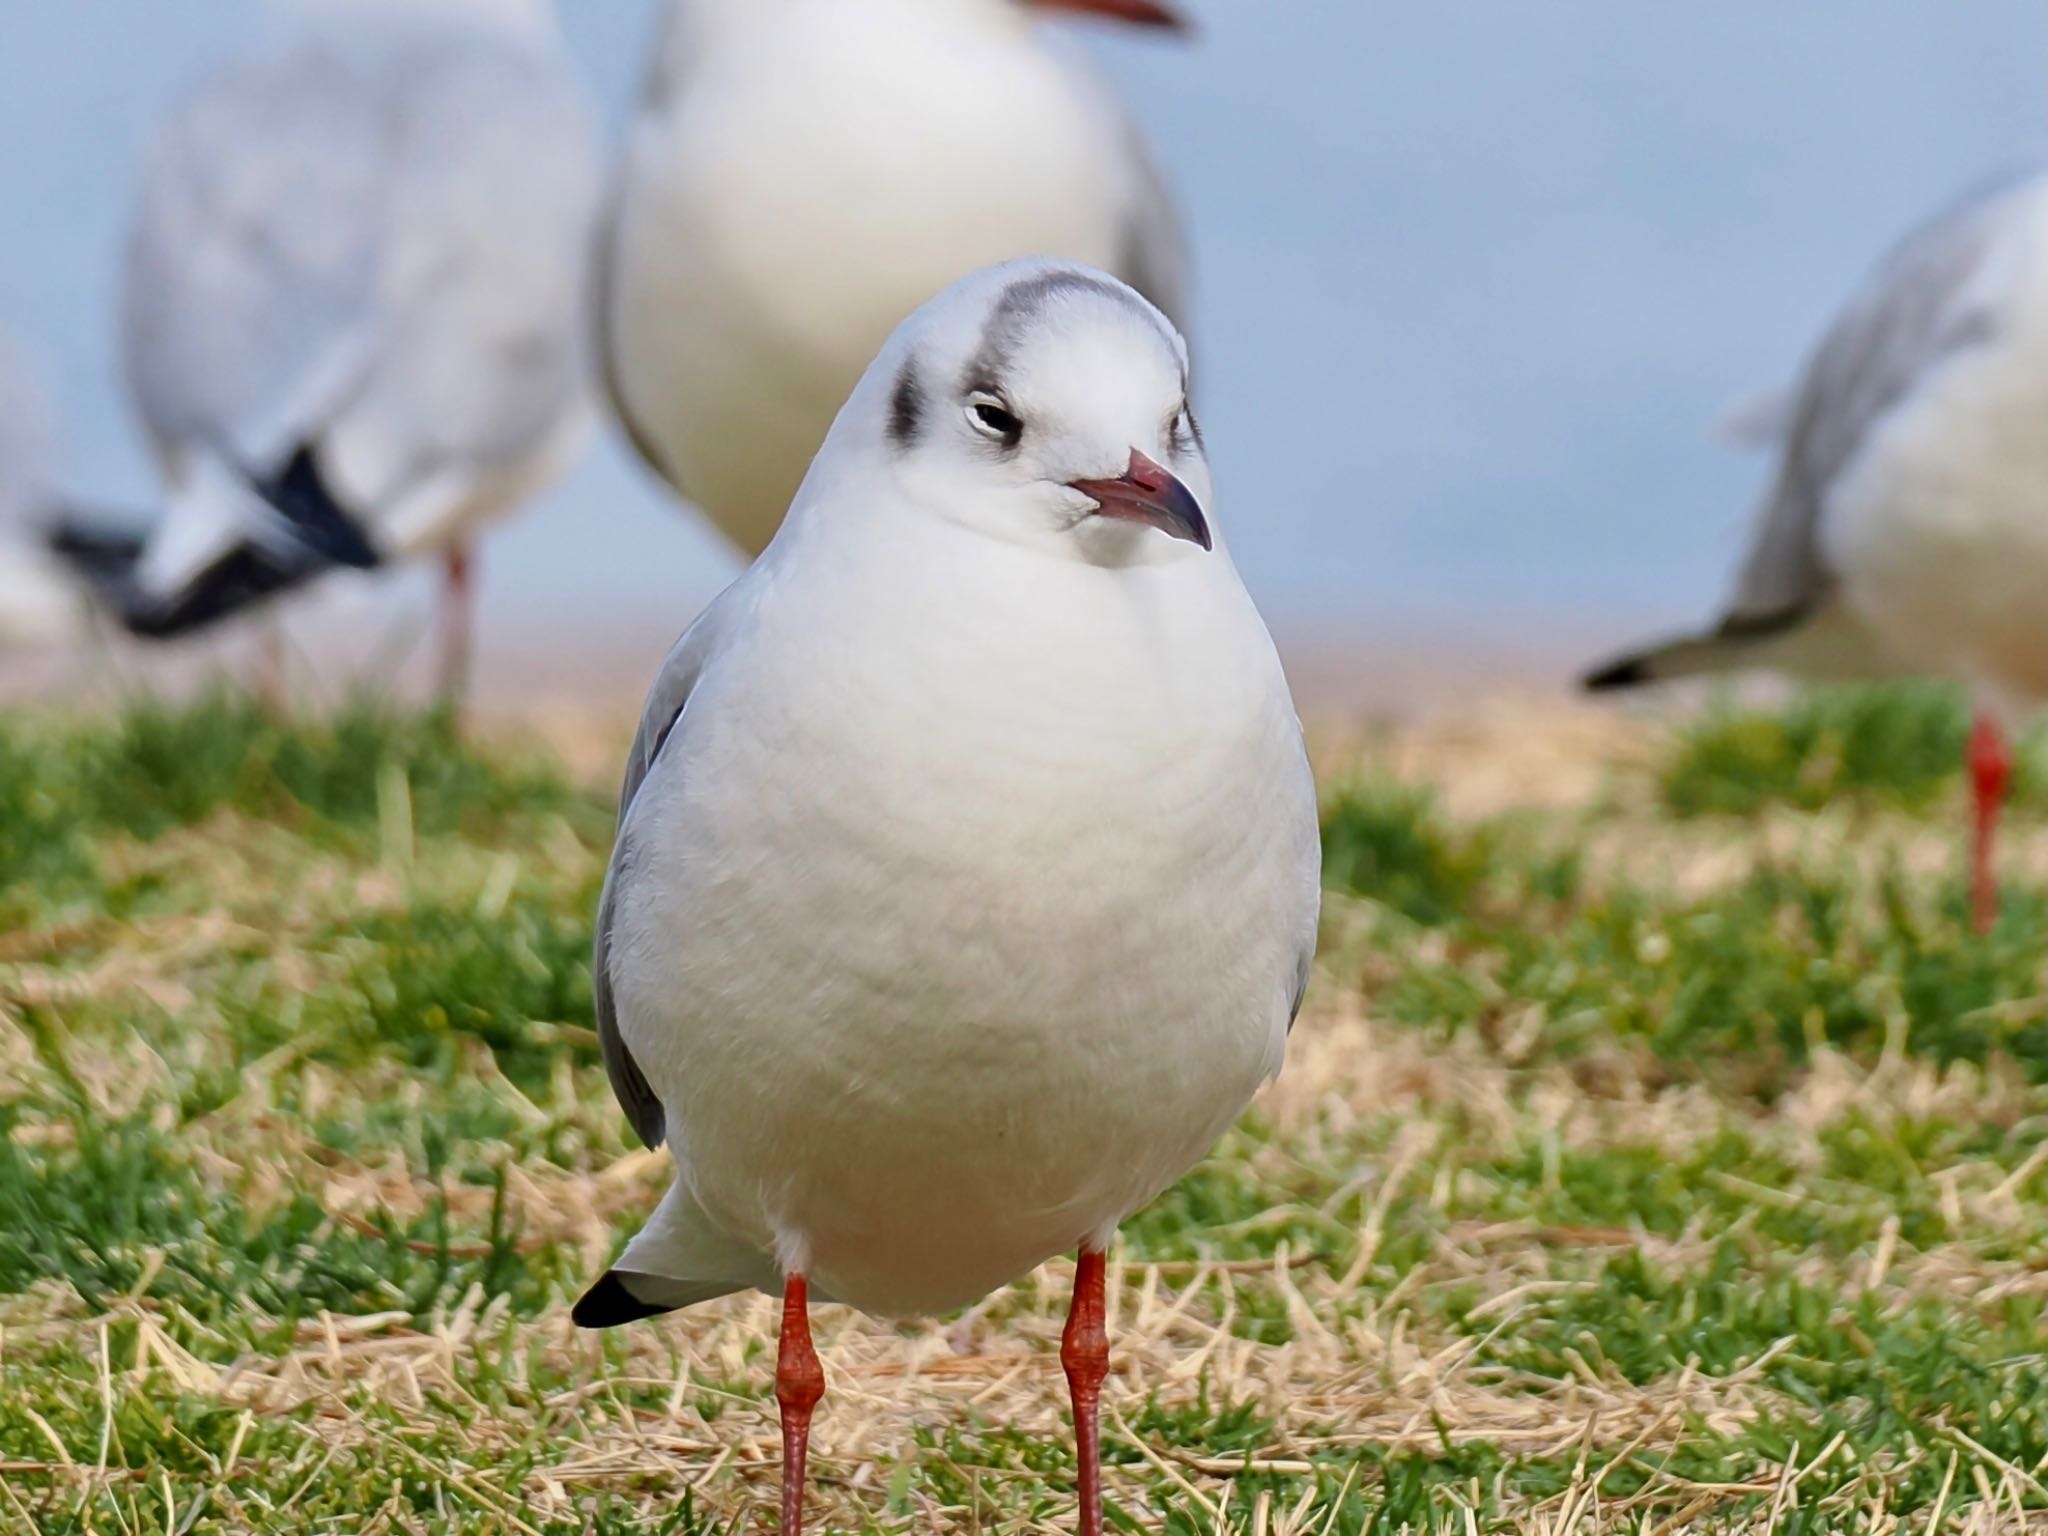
<point>906,407</point>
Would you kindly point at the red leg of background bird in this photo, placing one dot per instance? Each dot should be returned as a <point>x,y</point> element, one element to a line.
<point>799,1383</point>
<point>1084,1351</point>
<point>1990,774</point>
<point>458,624</point>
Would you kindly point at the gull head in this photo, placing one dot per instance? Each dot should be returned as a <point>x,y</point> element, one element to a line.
<point>1045,404</point>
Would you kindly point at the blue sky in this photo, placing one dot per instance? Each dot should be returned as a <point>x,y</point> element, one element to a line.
<point>1476,276</point>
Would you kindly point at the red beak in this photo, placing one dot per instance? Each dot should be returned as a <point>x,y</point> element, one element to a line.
<point>1151,494</point>
<point>1139,13</point>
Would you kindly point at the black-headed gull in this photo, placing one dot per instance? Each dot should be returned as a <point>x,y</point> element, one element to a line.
<point>802,175</point>
<point>967,872</point>
<point>1906,527</point>
<point>354,303</point>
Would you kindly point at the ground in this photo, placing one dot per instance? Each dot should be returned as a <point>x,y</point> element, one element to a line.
<point>1658,1151</point>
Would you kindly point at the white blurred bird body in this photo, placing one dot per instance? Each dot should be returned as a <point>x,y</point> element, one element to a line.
<point>1937,530</point>
<point>970,896</point>
<point>1906,529</point>
<point>802,175</point>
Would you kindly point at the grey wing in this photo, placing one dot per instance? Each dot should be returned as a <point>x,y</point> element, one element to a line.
<point>253,256</point>
<point>1304,968</point>
<point>666,703</point>
<point>477,378</point>
<point>1307,860</point>
<point>1936,295</point>
<point>629,1085</point>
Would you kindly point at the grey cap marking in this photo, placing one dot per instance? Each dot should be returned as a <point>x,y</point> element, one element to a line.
<point>1023,301</point>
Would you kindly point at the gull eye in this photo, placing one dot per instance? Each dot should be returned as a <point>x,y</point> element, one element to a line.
<point>994,420</point>
<point>1184,432</point>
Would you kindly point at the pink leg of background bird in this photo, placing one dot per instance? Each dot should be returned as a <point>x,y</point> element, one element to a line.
<point>799,1383</point>
<point>1990,774</point>
<point>1084,1351</point>
<point>458,624</point>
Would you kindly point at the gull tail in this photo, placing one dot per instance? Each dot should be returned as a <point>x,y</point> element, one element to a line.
<point>1688,656</point>
<point>681,1257</point>
<point>1822,643</point>
<point>616,1298</point>
<point>97,549</point>
<point>97,545</point>
<point>223,545</point>
<point>109,559</point>
<point>300,494</point>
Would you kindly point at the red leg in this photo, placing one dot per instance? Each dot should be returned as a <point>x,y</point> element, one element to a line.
<point>1084,1351</point>
<point>799,1383</point>
<point>458,623</point>
<point>1990,775</point>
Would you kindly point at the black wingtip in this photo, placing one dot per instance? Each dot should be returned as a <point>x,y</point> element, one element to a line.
<point>244,576</point>
<point>301,494</point>
<point>1629,672</point>
<point>104,550</point>
<point>608,1304</point>
<point>99,546</point>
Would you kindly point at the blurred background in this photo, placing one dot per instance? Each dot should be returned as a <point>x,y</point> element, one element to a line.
<point>1475,284</point>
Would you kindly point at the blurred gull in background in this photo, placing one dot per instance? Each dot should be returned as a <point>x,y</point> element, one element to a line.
<point>966,881</point>
<point>802,174</point>
<point>1906,526</point>
<point>353,306</point>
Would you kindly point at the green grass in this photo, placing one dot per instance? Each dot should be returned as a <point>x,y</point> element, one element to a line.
<point>1679,1161</point>
<point>1895,746</point>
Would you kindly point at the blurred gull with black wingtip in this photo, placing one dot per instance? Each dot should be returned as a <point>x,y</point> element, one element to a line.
<point>802,174</point>
<point>353,306</point>
<point>1905,530</point>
